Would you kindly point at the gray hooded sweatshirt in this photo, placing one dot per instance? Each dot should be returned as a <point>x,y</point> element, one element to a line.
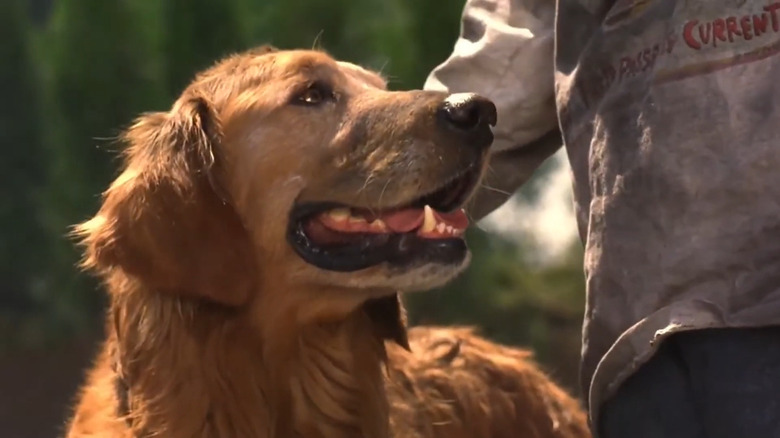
<point>670,115</point>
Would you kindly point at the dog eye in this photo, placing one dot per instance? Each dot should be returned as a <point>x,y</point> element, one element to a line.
<point>314,95</point>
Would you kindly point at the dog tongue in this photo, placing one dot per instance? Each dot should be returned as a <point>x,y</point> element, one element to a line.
<point>403,221</point>
<point>428,222</point>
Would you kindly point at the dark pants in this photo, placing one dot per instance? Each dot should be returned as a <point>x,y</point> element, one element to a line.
<point>722,383</point>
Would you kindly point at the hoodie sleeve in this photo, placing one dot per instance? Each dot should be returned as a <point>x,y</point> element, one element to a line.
<point>505,52</point>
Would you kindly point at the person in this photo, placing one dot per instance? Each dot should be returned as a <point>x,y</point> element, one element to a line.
<point>669,111</point>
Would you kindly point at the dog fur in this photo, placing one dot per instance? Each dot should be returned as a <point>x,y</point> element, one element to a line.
<point>216,328</point>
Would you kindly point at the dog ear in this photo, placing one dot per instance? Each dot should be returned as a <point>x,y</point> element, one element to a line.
<point>165,220</point>
<point>388,317</point>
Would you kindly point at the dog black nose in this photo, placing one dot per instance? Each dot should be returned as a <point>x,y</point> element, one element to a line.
<point>468,111</point>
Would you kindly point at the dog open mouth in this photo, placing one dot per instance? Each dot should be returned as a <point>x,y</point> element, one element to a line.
<point>346,238</point>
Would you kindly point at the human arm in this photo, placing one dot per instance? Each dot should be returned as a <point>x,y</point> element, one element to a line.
<point>505,53</point>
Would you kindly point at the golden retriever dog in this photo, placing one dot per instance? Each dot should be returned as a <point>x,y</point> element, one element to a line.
<point>253,247</point>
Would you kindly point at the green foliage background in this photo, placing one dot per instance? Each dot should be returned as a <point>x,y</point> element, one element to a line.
<point>76,75</point>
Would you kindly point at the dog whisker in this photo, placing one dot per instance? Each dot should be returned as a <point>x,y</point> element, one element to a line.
<point>317,44</point>
<point>383,190</point>
<point>493,189</point>
<point>368,180</point>
<point>392,79</point>
<point>382,68</point>
<point>490,169</point>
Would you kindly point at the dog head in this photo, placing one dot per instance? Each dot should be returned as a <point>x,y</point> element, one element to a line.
<point>284,171</point>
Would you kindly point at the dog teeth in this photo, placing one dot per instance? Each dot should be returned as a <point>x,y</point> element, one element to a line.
<point>353,220</point>
<point>378,225</point>
<point>429,220</point>
<point>340,214</point>
<point>432,228</point>
<point>343,219</point>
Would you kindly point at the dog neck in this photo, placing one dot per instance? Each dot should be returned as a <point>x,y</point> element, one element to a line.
<point>198,370</point>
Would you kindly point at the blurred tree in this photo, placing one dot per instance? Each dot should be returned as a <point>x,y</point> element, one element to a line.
<point>196,34</point>
<point>295,24</point>
<point>434,26</point>
<point>22,166</point>
<point>100,73</point>
<point>402,38</point>
<point>39,10</point>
